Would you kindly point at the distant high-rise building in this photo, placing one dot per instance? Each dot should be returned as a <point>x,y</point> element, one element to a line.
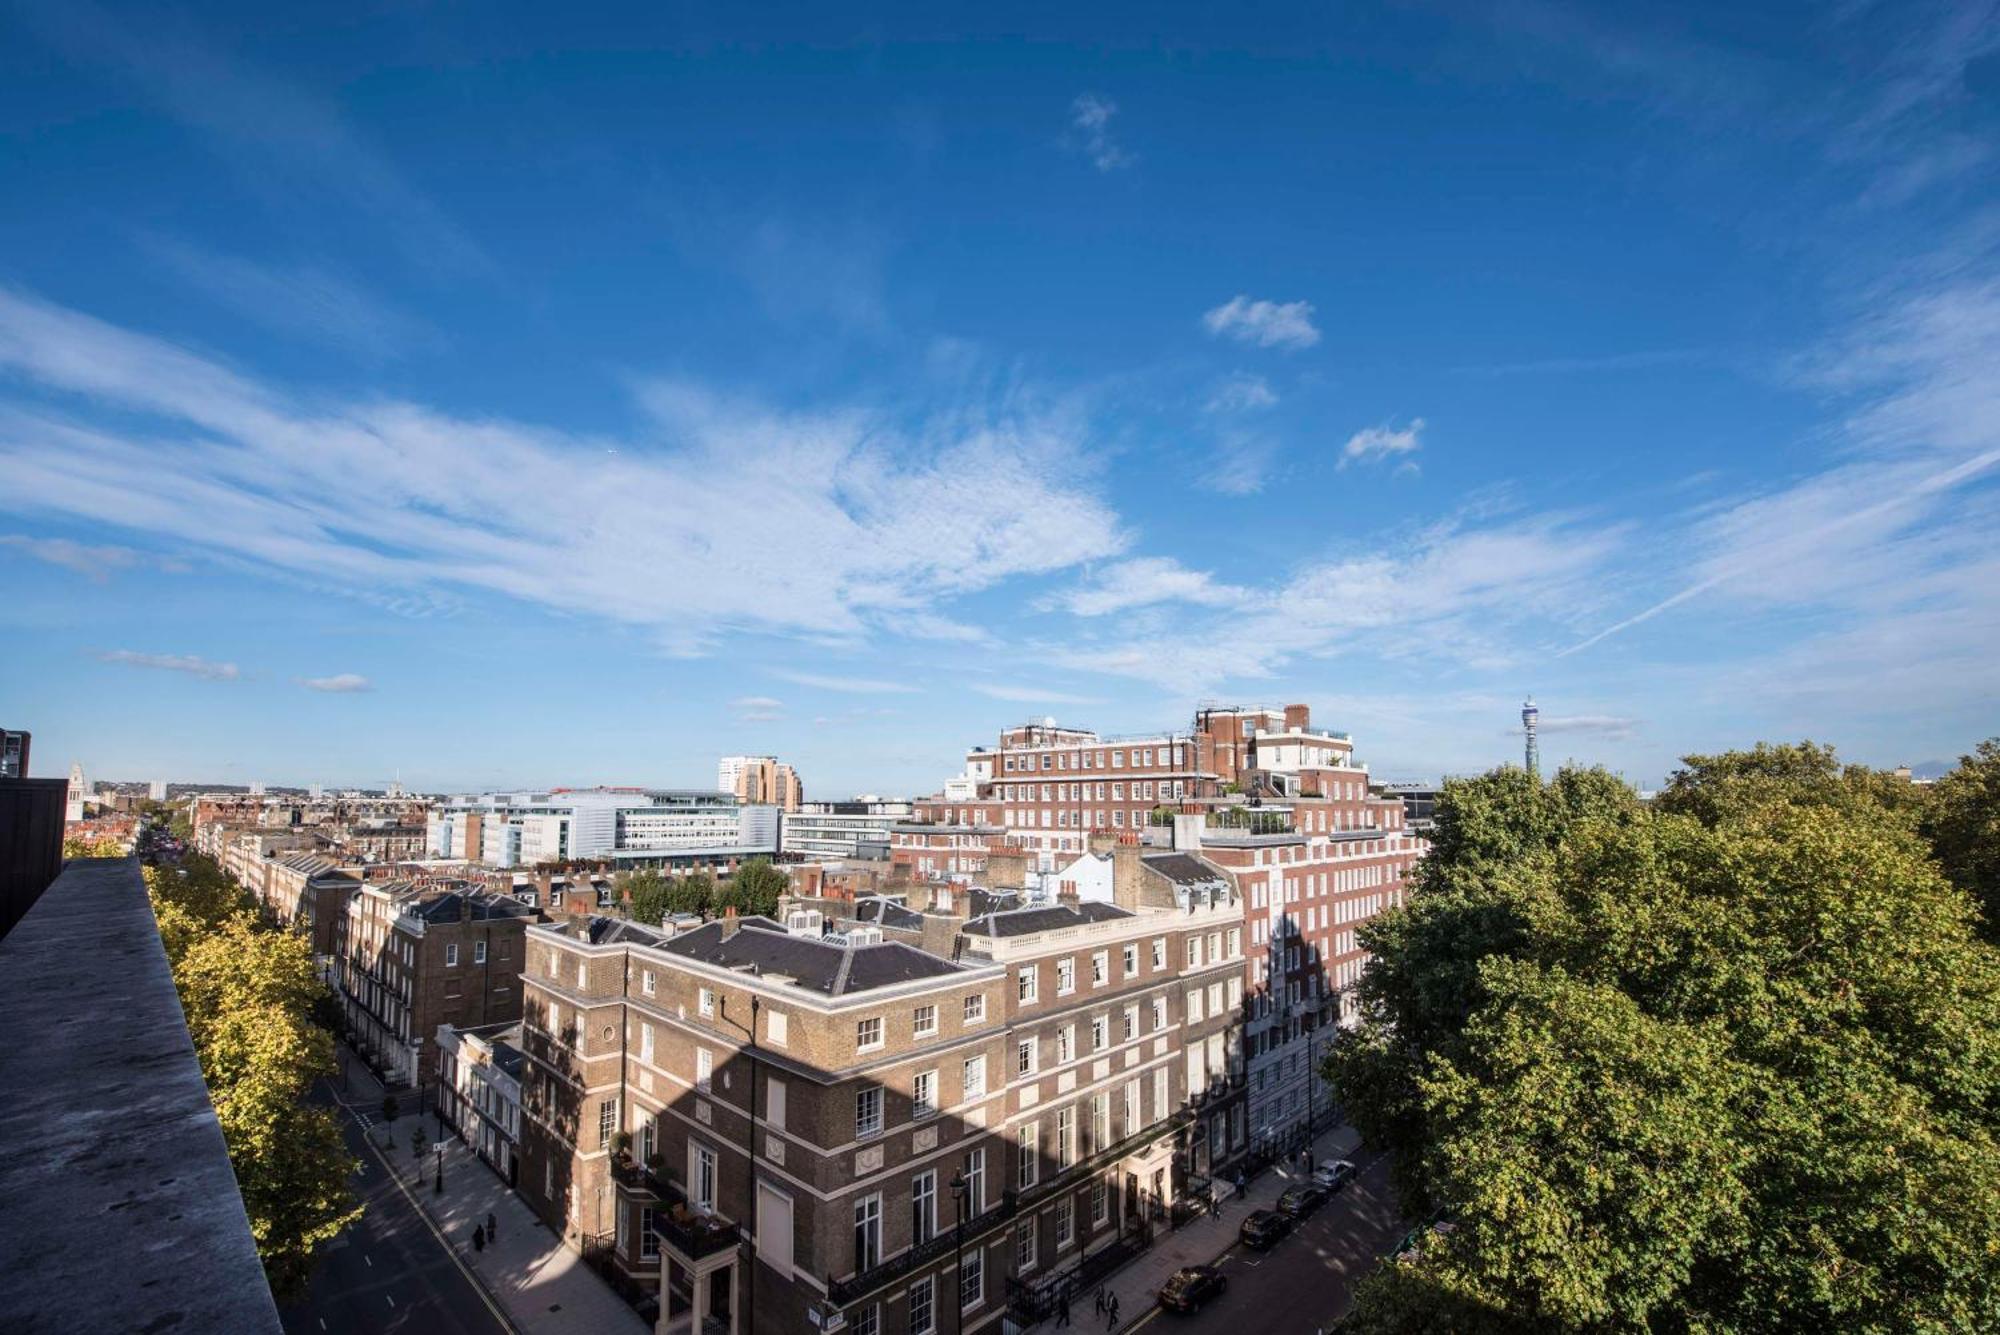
<point>157,790</point>
<point>316,792</point>
<point>761,780</point>
<point>256,790</point>
<point>1530,716</point>
<point>13,754</point>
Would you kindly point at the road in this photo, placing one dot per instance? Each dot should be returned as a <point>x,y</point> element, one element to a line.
<point>389,1271</point>
<point>1304,1282</point>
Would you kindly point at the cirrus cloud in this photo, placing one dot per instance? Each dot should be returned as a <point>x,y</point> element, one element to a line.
<point>341,683</point>
<point>192,664</point>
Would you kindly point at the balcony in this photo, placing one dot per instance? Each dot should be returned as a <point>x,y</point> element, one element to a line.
<point>942,1243</point>
<point>114,1155</point>
<point>692,1233</point>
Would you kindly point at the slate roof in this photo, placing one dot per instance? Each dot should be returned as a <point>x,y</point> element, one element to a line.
<point>888,913</point>
<point>763,948</point>
<point>606,931</point>
<point>1024,922</point>
<point>444,906</point>
<point>1183,869</point>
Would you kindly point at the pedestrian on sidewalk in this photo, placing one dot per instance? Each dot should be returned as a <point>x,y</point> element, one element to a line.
<point>1111,1310</point>
<point>478,1238</point>
<point>1240,1184</point>
<point>1100,1300</point>
<point>1062,1308</point>
<point>492,1227</point>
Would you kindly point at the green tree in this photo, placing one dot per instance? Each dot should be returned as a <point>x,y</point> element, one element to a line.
<point>647,891</point>
<point>757,885</point>
<point>1728,1065</point>
<point>1962,821</point>
<point>693,893</point>
<point>249,995</point>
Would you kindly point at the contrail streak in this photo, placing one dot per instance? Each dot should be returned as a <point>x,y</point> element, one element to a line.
<point>1951,477</point>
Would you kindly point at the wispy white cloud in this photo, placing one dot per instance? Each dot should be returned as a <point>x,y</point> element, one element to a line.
<point>757,709</point>
<point>1611,727</point>
<point>98,561</point>
<point>828,523</point>
<point>290,140</point>
<point>1033,695</point>
<point>341,683</point>
<point>1143,581</point>
<point>1382,442</point>
<point>191,664</point>
<point>1241,392</point>
<point>1267,324</point>
<point>304,300</point>
<point>850,685</point>
<point>1090,122</point>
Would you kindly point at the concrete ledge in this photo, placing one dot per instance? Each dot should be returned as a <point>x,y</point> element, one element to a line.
<point>118,1207</point>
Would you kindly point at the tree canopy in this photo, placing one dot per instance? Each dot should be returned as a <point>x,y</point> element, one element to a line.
<point>250,995</point>
<point>1961,818</point>
<point>1731,1063</point>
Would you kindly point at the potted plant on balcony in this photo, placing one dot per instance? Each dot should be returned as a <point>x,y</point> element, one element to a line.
<point>621,1147</point>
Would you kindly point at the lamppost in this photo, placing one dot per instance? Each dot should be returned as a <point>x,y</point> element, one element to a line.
<point>440,1170</point>
<point>960,1189</point>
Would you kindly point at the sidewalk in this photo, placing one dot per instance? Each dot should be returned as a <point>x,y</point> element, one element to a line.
<point>1198,1242</point>
<point>544,1286</point>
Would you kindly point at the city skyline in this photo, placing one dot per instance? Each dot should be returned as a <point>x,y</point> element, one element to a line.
<point>714,390</point>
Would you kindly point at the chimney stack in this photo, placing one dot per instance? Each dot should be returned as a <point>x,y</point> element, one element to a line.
<point>729,922</point>
<point>1298,717</point>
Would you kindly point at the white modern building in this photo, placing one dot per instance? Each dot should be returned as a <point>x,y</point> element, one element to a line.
<point>857,828</point>
<point>633,826</point>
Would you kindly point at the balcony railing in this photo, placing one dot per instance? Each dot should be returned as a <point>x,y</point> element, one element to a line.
<point>842,1292</point>
<point>691,1232</point>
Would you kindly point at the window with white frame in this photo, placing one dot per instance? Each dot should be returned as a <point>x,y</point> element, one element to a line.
<point>1159,1013</point>
<point>923,1094</point>
<point>1026,984</point>
<point>865,1320</point>
<point>1100,1203</point>
<point>1100,1032</point>
<point>975,1181</point>
<point>704,1069</point>
<point>1065,1223</point>
<point>1065,1136</point>
<point>923,1307</point>
<point>972,1279</point>
<point>1131,960</point>
<point>1193,1003</point>
<point>1159,952</point>
<point>1128,1027</point>
<point>1024,1248</point>
<point>868,1112</point>
<point>975,1008</point>
<point>451,955</point>
<point>704,1002</point>
<point>607,1121</point>
<point>1028,1158</point>
<point>646,981</point>
<point>1065,1044</point>
<point>649,1241</point>
<point>1065,976</point>
<point>1100,968</point>
<point>924,1024</point>
<point>923,1207</point>
<point>868,1232</point>
<point>1024,1057</point>
<point>479,952</point>
<point>972,1074</point>
<point>701,1181</point>
<point>868,1034</point>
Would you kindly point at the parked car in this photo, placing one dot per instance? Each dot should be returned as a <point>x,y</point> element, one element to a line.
<point>1263,1229</point>
<point>1191,1288</point>
<point>1301,1200</point>
<point>1333,1174</point>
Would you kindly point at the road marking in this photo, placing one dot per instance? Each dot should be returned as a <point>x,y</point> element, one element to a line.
<point>322,1323</point>
<point>391,1297</point>
<point>366,1257</point>
<point>449,1250</point>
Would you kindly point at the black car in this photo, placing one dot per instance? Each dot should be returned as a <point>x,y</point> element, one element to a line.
<point>1263,1229</point>
<point>1192,1287</point>
<point>1301,1200</point>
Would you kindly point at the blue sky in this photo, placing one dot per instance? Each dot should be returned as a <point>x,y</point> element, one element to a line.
<point>499,395</point>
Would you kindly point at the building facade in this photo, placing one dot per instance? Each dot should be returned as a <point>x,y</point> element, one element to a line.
<point>667,828</point>
<point>479,1091</point>
<point>411,959</point>
<point>777,1125</point>
<point>858,828</point>
<point>760,781</point>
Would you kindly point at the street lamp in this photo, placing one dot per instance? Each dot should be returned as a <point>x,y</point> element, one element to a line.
<point>960,1189</point>
<point>440,1170</point>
